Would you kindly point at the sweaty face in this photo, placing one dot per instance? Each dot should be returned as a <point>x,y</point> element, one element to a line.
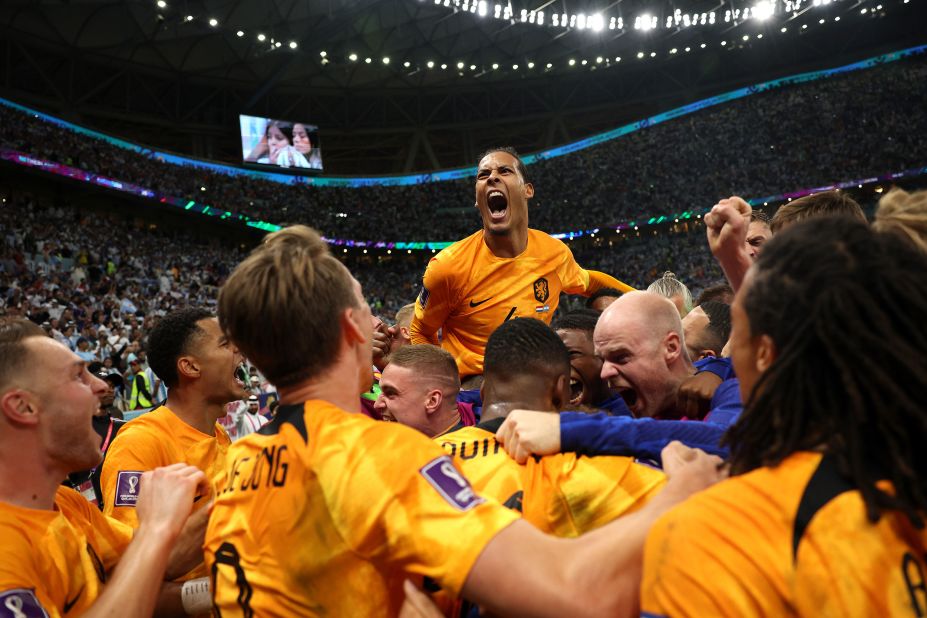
<point>633,364</point>
<point>219,362</point>
<point>69,397</point>
<point>693,329</point>
<point>586,384</point>
<point>301,140</point>
<point>402,399</point>
<point>276,140</point>
<point>758,233</point>
<point>502,194</point>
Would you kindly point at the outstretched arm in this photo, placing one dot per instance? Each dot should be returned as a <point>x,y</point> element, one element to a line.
<point>599,280</point>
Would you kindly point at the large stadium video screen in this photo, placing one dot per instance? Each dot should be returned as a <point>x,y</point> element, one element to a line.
<point>280,143</point>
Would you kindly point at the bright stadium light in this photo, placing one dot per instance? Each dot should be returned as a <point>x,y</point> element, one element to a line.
<point>240,33</point>
<point>368,60</point>
<point>324,53</point>
<point>550,65</point>
<point>599,59</point>
<point>472,67</point>
<point>530,65</point>
<point>407,64</point>
<point>640,54</point>
<point>353,57</point>
<point>514,67</point>
<point>444,67</point>
<point>188,18</point>
<point>460,65</point>
<point>293,44</point>
<point>385,59</point>
<point>495,66</point>
<point>162,4</point>
<point>262,38</point>
<point>213,22</point>
<point>763,10</point>
<point>572,62</point>
<point>673,51</point>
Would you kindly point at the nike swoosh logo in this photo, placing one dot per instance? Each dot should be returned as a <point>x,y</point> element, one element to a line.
<point>69,604</point>
<point>473,304</point>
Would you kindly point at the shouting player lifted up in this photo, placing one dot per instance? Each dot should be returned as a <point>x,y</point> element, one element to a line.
<point>502,272</point>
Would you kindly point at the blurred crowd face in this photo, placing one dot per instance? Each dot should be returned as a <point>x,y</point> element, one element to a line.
<point>502,194</point>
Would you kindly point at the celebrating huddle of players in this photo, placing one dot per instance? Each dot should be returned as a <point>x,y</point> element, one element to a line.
<point>812,502</point>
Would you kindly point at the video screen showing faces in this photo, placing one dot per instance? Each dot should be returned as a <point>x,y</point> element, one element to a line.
<point>280,143</point>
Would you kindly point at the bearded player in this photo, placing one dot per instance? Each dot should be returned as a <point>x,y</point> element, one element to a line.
<point>502,272</point>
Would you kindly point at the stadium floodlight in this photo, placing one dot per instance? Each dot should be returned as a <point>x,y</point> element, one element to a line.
<point>213,22</point>
<point>407,64</point>
<point>385,59</point>
<point>723,43</point>
<point>673,51</point>
<point>368,60</point>
<point>596,22</point>
<point>763,10</point>
<point>598,59</point>
<point>703,46</point>
<point>353,57</point>
<point>617,58</point>
<point>759,36</point>
<point>444,66</point>
<point>472,67</point>
<point>784,29</point>
<point>550,65</point>
<point>653,54</point>
<point>640,54</point>
<point>837,18</point>
<point>688,49</point>
<point>278,44</point>
<point>162,4</point>
<point>261,38</point>
<point>460,65</point>
<point>584,62</point>
<point>240,33</point>
<point>530,65</point>
<point>804,26</point>
<point>188,18</point>
<point>293,44</point>
<point>514,67</point>
<point>481,8</point>
<point>746,37</point>
<point>821,21</point>
<point>572,62</point>
<point>495,66</point>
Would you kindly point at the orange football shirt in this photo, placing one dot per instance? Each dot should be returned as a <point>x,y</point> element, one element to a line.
<point>57,561</point>
<point>325,512</point>
<point>792,540</point>
<point>467,292</point>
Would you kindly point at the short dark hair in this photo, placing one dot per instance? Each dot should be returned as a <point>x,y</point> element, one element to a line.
<point>14,355</point>
<point>524,345</point>
<point>720,292</point>
<point>719,324</point>
<point>603,293</point>
<point>579,319</point>
<point>816,205</point>
<point>170,339</point>
<point>844,306</point>
<point>519,164</point>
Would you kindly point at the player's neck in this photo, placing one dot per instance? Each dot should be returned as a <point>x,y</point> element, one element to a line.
<point>190,406</point>
<point>508,245</point>
<point>26,481</point>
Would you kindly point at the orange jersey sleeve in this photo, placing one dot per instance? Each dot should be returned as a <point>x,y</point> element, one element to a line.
<point>55,562</point>
<point>790,540</point>
<point>326,513</point>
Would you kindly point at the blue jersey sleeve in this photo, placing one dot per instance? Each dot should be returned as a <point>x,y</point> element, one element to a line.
<point>644,438</point>
<point>726,405</point>
<point>721,367</point>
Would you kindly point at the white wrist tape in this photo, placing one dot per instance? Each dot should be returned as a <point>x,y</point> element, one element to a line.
<point>196,597</point>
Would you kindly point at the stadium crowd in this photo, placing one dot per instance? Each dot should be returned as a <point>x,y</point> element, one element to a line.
<point>789,138</point>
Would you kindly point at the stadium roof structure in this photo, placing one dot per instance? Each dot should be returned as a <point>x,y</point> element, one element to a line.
<point>409,85</point>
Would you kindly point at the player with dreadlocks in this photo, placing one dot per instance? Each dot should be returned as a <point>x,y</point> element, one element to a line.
<point>824,513</point>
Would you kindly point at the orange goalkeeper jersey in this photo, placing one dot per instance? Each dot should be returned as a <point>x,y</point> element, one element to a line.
<point>792,540</point>
<point>467,292</point>
<point>325,513</point>
<point>55,562</point>
<point>565,495</point>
